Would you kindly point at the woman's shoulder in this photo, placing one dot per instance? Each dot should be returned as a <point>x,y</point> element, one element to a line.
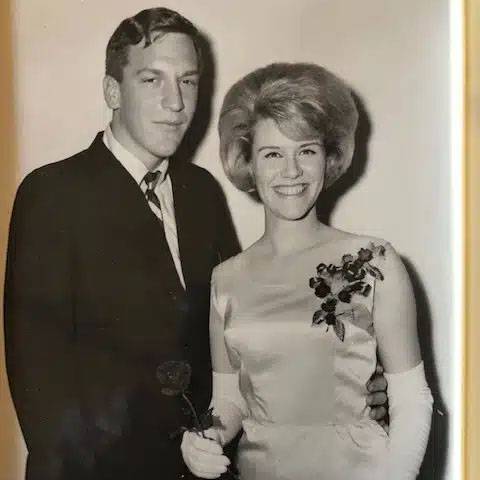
<point>355,240</point>
<point>381,253</point>
<point>233,269</point>
<point>229,269</point>
<point>377,251</point>
<point>347,243</point>
<point>380,248</point>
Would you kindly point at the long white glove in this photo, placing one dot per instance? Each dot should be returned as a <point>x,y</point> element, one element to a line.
<point>410,409</point>
<point>204,457</point>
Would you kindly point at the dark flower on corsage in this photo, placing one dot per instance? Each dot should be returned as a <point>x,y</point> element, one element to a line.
<point>322,289</point>
<point>365,255</point>
<point>337,284</point>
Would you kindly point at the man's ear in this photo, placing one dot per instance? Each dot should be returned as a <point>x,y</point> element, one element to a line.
<point>111,92</point>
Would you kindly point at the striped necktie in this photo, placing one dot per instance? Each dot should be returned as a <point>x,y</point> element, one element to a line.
<point>151,180</point>
<point>170,273</point>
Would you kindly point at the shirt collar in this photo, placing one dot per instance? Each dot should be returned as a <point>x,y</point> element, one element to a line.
<point>130,162</point>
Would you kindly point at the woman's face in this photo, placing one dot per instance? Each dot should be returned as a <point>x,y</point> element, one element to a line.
<point>289,174</point>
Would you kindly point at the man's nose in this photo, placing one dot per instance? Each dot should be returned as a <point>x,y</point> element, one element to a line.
<point>172,96</point>
<point>292,167</point>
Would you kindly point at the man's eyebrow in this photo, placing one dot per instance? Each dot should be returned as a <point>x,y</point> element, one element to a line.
<point>190,73</point>
<point>157,71</point>
<point>148,70</point>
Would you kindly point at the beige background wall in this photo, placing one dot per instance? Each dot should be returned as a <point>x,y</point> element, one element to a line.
<point>394,54</point>
<point>472,404</point>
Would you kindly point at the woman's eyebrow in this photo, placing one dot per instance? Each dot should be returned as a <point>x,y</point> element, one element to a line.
<point>308,144</point>
<point>267,147</point>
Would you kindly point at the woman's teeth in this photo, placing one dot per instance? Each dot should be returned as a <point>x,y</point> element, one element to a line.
<point>290,189</point>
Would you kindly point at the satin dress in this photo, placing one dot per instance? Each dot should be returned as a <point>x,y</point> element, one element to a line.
<point>303,383</point>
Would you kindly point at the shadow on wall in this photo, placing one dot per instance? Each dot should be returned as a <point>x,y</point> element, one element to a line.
<point>328,199</point>
<point>435,459</point>
<point>203,114</point>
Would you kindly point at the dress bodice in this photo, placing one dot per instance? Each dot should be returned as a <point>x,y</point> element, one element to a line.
<point>284,359</point>
<point>295,373</point>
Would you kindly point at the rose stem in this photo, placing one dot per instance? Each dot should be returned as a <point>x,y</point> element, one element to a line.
<point>200,429</point>
<point>194,413</point>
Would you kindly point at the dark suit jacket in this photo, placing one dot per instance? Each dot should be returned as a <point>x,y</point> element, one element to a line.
<point>92,307</point>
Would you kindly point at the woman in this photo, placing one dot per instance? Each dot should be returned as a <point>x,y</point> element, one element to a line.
<point>297,318</point>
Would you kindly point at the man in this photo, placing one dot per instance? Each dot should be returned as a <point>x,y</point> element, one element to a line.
<point>108,271</point>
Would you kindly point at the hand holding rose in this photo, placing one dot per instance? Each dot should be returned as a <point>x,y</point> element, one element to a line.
<point>204,456</point>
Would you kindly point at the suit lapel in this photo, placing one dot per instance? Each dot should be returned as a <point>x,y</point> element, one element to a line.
<point>185,226</point>
<point>128,207</point>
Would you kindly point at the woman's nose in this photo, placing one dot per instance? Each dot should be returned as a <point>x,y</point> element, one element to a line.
<point>172,97</point>
<point>292,167</point>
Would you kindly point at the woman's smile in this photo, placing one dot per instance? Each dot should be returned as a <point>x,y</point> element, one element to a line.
<point>295,190</point>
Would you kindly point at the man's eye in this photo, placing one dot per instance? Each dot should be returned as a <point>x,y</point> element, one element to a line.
<point>149,80</point>
<point>191,82</point>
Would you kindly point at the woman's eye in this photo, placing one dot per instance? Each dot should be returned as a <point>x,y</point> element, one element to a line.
<point>308,151</point>
<point>272,155</point>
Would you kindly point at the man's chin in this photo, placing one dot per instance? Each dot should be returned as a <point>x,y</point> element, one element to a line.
<point>167,149</point>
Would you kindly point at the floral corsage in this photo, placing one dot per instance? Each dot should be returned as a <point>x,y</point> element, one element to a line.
<point>337,284</point>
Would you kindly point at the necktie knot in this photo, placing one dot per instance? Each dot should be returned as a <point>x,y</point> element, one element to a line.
<point>151,179</point>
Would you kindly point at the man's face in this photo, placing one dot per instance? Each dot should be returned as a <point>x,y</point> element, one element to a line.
<point>157,96</point>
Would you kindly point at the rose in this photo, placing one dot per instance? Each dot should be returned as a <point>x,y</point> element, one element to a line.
<point>329,305</point>
<point>330,319</point>
<point>353,271</point>
<point>321,267</point>
<point>365,254</point>
<point>345,296</point>
<point>174,377</point>
<point>322,289</point>
<point>378,250</point>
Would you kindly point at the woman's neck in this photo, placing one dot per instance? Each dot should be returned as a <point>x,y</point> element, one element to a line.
<point>285,237</point>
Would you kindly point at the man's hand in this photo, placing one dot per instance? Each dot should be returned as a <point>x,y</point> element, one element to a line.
<point>377,399</point>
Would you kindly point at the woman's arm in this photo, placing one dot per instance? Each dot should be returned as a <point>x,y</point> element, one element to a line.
<point>204,456</point>
<point>410,399</point>
<point>227,401</point>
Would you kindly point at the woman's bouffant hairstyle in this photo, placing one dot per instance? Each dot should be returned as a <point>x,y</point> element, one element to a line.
<point>305,100</point>
<point>146,25</point>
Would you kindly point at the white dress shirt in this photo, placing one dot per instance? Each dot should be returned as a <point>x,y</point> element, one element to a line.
<point>163,190</point>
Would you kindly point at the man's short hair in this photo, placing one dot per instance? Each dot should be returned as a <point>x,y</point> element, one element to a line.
<point>146,25</point>
<point>305,100</point>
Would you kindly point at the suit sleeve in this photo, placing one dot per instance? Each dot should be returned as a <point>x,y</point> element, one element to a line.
<point>39,309</point>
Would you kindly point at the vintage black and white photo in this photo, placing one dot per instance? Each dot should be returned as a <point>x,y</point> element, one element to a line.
<point>230,250</point>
